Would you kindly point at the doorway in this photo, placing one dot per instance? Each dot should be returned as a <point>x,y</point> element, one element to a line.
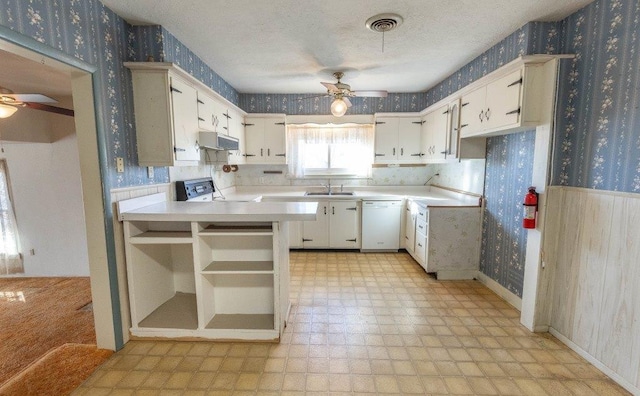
<point>99,239</point>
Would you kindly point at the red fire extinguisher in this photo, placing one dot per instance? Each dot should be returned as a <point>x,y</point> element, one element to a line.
<point>530,208</point>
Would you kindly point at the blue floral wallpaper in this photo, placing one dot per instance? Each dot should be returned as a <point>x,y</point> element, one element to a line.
<point>532,38</point>
<point>87,30</point>
<point>506,175</point>
<point>295,104</point>
<point>162,46</point>
<point>509,169</point>
<point>598,119</point>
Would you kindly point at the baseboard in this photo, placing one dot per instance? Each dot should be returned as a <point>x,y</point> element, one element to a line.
<point>500,290</point>
<point>456,274</point>
<point>599,365</point>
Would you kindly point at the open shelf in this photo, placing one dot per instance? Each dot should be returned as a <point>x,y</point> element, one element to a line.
<point>161,237</point>
<point>179,312</point>
<point>218,267</point>
<point>237,229</point>
<point>242,321</point>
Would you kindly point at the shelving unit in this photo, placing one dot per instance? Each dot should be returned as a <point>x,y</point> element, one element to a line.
<point>208,274</point>
<point>237,276</point>
<point>162,280</point>
<point>217,280</point>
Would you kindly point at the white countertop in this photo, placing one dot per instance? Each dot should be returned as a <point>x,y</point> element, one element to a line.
<point>428,196</point>
<point>224,211</point>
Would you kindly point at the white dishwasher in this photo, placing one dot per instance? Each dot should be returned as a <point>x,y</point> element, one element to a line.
<point>381,225</point>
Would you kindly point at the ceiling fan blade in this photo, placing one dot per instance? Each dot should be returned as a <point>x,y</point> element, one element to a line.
<point>372,94</point>
<point>330,87</point>
<point>34,98</point>
<point>51,109</point>
<point>347,101</point>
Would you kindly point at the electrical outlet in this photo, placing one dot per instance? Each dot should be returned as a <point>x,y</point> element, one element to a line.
<point>120,165</point>
<point>150,172</point>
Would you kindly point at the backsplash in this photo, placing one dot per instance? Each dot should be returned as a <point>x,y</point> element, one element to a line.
<point>253,175</point>
<point>598,117</point>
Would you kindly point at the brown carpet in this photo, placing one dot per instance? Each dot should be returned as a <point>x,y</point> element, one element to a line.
<point>38,315</point>
<point>58,372</point>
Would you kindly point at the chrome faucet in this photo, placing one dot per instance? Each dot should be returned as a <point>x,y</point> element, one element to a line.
<point>329,186</point>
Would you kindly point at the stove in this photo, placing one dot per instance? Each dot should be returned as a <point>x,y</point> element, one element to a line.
<point>195,190</point>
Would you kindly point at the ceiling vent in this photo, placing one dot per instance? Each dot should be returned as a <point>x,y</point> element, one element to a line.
<point>383,23</point>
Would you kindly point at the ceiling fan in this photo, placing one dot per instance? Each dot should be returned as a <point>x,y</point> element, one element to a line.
<point>10,102</point>
<point>341,93</point>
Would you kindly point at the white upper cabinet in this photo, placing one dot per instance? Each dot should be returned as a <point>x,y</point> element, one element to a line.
<point>236,130</point>
<point>166,119</point>
<point>397,139</point>
<point>434,134</point>
<point>171,109</point>
<point>185,125</point>
<point>504,101</point>
<point>265,139</point>
<point>207,120</point>
<point>511,103</point>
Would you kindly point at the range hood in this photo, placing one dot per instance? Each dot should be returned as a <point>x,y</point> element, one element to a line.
<point>217,141</point>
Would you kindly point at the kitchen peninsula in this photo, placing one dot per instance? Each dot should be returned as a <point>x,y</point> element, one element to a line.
<point>209,270</point>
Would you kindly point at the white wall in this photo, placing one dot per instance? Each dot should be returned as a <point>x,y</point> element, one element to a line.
<point>46,188</point>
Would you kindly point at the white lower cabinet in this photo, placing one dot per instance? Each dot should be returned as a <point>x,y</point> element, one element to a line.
<point>446,240</point>
<point>207,280</point>
<point>410,226</point>
<point>337,226</point>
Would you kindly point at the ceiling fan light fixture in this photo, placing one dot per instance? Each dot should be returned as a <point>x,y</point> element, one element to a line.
<point>338,107</point>
<point>7,111</point>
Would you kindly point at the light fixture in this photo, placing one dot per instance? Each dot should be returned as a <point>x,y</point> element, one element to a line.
<point>338,107</point>
<point>7,110</point>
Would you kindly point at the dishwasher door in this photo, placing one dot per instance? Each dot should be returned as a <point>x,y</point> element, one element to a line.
<point>381,225</point>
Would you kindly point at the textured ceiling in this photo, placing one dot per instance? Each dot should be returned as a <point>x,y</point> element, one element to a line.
<point>289,46</point>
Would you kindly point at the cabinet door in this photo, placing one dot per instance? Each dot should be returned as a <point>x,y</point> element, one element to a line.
<point>344,225</point>
<point>472,112</point>
<point>426,140</point>
<point>315,234</point>
<point>386,139</point>
<point>295,234</point>
<point>421,250</point>
<point>206,110</point>
<point>503,101</point>
<point>254,140</point>
<point>274,141</point>
<point>453,129</point>
<point>409,139</point>
<point>236,130</point>
<point>410,227</point>
<point>184,100</point>
<point>436,131</point>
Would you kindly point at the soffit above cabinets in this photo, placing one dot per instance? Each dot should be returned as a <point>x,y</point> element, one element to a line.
<point>288,46</point>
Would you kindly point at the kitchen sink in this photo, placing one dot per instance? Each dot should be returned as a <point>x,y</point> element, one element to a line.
<point>327,193</point>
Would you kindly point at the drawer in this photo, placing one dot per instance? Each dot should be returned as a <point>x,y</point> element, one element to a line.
<point>423,214</point>
<point>421,227</point>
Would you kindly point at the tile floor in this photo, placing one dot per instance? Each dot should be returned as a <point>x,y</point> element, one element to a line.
<point>365,323</point>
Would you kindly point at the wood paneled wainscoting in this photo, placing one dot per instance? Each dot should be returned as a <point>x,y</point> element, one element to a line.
<point>119,194</point>
<point>594,256</point>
